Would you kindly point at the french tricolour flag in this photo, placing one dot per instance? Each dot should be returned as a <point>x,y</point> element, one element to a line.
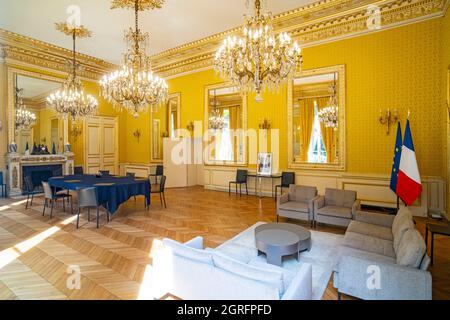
<point>409,185</point>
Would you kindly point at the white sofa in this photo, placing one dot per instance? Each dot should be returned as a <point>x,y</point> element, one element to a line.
<point>189,272</point>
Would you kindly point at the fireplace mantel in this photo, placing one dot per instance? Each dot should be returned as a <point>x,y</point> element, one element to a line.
<point>17,161</point>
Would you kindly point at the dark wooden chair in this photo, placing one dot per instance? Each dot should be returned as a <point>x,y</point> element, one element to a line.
<point>3,186</point>
<point>51,197</point>
<point>104,172</point>
<point>88,198</point>
<point>78,170</point>
<point>241,178</point>
<point>287,178</point>
<point>30,190</point>
<point>133,176</point>
<point>160,191</point>
<point>158,173</point>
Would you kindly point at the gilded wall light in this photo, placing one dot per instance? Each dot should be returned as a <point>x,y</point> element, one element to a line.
<point>190,126</point>
<point>388,118</point>
<point>137,134</point>
<point>265,124</point>
<point>76,131</point>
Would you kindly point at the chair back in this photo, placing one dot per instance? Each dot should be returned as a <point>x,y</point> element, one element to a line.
<point>340,198</point>
<point>159,170</point>
<point>104,172</point>
<point>1,177</point>
<point>241,176</point>
<point>287,178</point>
<point>78,170</point>
<point>47,190</point>
<point>301,193</point>
<point>87,197</point>
<point>29,184</point>
<point>162,183</point>
<point>131,175</point>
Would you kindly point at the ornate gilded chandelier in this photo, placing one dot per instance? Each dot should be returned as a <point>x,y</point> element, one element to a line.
<point>25,119</point>
<point>135,87</point>
<point>71,101</point>
<point>216,120</point>
<point>260,60</point>
<point>329,115</point>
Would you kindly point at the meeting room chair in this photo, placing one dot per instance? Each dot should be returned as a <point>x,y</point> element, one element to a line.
<point>133,176</point>
<point>88,198</point>
<point>158,173</point>
<point>3,186</point>
<point>287,178</point>
<point>241,178</point>
<point>104,172</point>
<point>78,170</point>
<point>160,190</point>
<point>30,190</point>
<point>51,197</point>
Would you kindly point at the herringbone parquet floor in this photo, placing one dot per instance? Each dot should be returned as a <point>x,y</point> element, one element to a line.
<point>36,252</point>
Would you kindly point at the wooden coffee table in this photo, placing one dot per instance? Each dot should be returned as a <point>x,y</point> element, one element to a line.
<point>277,240</point>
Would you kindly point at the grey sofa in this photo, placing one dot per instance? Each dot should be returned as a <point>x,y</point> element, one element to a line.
<point>383,257</point>
<point>298,203</point>
<point>337,207</point>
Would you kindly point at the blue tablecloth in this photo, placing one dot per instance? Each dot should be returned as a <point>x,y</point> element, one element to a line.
<point>112,190</point>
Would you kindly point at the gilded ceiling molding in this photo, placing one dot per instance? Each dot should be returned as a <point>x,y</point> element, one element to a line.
<point>22,50</point>
<point>313,24</point>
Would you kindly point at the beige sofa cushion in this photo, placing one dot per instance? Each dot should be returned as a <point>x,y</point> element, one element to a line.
<point>403,213</point>
<point>340,198</point>
<point>411,249</point>
<point>371,230</point>
<point>370,244</point>
<point>401,224</point>
<point>294,206</point>
<point>338,212</point>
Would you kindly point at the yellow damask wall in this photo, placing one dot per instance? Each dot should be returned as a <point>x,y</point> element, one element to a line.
<point>397,68</point>
<point>446,91</point>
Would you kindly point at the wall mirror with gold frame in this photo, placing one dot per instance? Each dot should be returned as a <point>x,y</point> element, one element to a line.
<point>316,119</point>
<point>32,91</point>
<point>226,144</point>
<point>165,121</point>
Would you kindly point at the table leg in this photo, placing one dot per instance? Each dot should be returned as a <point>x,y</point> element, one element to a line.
<point>260,187</point>
<point>272,187</point>
<point>274,259</point>
<point>426,238</point>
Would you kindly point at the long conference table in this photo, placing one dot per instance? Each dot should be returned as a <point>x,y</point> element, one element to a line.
<point>112,190</point>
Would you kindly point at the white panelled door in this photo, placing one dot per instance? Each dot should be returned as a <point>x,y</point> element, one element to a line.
<point>101,145</point>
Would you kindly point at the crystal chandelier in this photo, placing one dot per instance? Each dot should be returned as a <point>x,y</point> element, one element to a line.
<point>71,99</point>
<point>330,114</point>
<point>260,59</point>
<point>216,120</point>
<point>134,87</point>
<point>25,119</point>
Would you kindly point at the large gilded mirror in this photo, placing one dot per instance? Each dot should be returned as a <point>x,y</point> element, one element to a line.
<point>316,119</point>
<point>165,122</point>
<point>225,125</point>
<point>37,129</point>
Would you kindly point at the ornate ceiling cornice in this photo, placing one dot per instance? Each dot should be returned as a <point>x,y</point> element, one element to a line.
<point>323,21</point>
<point>21,50</point>
<point>310,25</point>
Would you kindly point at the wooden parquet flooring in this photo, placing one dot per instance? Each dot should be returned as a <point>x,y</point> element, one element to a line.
<point>36,251</point>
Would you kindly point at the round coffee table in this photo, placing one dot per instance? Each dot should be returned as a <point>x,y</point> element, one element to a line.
<point>277,240</point>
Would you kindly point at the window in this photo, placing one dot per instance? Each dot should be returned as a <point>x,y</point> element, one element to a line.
<point>317,152</point>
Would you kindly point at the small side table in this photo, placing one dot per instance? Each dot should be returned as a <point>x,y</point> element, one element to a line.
<point>435,229</point>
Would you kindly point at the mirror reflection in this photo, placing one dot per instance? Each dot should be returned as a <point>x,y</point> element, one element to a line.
<point>38,129</point>
<point>315,118</point>
<point>225,112</point>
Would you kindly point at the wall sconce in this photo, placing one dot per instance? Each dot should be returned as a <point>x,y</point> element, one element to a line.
<point>137,134</point>
<point>76,131</point>
<point>165,134</point>
<point>265,124</point>
<point>190,126</point>
<point>388,119</point>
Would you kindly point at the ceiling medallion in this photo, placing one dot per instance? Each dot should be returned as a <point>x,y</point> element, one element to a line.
<point>71,101</point>
<point>134,87</point>
<point>259,60</point>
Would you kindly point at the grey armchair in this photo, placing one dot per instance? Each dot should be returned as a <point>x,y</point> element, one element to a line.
<point>297,203</point>
<point>337,207</point>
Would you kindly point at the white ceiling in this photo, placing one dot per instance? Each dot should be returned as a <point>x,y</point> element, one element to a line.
<point>33,87</point>
<point>178,22</point>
